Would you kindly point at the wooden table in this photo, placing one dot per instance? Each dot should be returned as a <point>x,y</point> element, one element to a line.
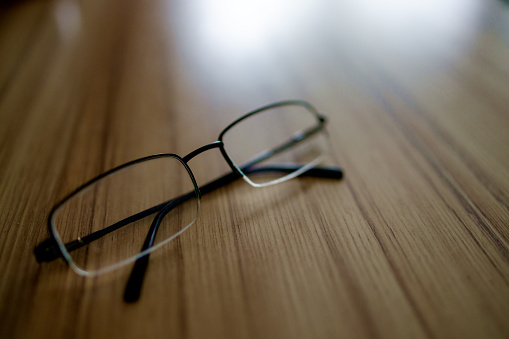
<point>412,243</point>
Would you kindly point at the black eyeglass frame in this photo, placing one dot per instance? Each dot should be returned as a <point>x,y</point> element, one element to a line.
<point>53,248</point>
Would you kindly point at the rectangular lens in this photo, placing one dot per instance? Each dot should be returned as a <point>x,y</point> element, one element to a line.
<point>109,219</point>
<point>288,136</point>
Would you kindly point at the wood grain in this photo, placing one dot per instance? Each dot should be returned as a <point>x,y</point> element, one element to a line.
<point>412,243</point>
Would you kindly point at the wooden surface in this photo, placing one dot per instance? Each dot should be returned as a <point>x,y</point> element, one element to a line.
<point>412,243</point>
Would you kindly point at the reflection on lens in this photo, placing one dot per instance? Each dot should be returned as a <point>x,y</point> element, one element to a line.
<point>276,136</point>
<point>110,219</point>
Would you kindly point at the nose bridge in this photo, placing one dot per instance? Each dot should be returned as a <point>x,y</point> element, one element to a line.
<point>215,144</point>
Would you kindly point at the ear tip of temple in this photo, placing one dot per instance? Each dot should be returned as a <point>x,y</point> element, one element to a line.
<point>331,172</point>
<point>46,251</point>
<point>133,288</point>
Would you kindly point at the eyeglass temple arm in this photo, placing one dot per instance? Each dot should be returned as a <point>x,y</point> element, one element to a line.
<point>134,284</point>
<point>48,250</point>
<point>133,287</point>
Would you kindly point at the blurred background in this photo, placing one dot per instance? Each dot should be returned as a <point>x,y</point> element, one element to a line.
<point>223,58</point>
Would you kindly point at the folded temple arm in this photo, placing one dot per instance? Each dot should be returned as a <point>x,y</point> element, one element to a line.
<point>48,249</point>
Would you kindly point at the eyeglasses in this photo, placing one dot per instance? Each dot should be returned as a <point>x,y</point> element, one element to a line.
<point>122,215</point>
